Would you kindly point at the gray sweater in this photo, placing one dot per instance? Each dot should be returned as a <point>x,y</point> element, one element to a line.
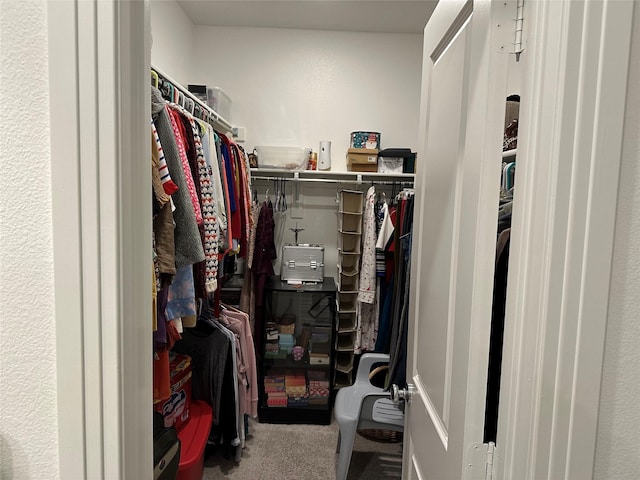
<point>189,248</point>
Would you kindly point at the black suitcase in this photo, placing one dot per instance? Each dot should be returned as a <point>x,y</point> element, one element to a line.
<point>166,450</point>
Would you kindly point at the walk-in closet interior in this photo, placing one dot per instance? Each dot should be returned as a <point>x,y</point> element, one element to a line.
<point>282,230</point>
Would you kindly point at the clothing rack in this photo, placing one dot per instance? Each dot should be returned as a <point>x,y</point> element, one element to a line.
<point>402,179</point>
<point>331,180</point>
<point>217,121</point>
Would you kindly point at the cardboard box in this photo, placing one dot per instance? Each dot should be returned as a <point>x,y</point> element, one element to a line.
<point>176,410</point>
<point>362,160</point>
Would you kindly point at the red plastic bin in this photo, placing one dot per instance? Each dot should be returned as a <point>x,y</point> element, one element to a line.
<point>193,439</point>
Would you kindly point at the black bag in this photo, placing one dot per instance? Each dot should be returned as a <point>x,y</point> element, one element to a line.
<point>166,450</point>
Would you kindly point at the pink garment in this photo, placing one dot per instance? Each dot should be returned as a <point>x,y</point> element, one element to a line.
<point>240,321</point>
<point>193,194</point>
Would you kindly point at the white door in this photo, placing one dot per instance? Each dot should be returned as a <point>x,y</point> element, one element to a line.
<point>462,115</point>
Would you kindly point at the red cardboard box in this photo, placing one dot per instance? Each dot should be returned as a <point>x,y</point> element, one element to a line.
<point>176,409</point>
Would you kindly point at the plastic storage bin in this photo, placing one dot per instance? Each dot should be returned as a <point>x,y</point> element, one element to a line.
<point>219,101</point>
<point>284,158</point>
<point>193,439</point>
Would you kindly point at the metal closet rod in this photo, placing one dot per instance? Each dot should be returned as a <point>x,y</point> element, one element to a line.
<point>214,115</point>
<point>335,180</point>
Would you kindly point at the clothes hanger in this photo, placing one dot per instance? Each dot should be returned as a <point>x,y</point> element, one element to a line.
<point>284,195</point>
<point>154,78</point>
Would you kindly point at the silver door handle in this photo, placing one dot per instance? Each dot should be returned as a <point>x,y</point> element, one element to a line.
<point>401,394</point>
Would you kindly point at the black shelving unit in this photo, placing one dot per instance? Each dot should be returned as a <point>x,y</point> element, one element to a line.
<point>292,388</point>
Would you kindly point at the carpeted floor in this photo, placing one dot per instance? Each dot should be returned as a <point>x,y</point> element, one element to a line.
<point>292,452</point>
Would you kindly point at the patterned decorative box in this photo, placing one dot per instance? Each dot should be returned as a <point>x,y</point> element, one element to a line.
<point>318,392</point>
<point>277,399</point>
<point>175,409</point>
<point>369,140</point>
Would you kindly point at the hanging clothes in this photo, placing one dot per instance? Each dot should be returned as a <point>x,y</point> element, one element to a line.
<point>263,257</point>
<point>400,319</point>
<point>497,336</point>
<point>163,229</point>
<point>210,351</point>
<point>211,155</point>
<point>367,327</point>
<point>183,148</point>
<point>188,246</point>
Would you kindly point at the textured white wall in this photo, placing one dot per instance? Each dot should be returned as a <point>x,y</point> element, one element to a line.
<point>618,442</point>
<point>298,87</point>
<point>172,49</point>
<point>28,411</point>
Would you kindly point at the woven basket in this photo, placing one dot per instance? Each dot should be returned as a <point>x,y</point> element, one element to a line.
<point>380,435</point>
<point>286,329</point>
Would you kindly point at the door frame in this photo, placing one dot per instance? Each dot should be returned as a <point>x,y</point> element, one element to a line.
<point>569,152</point>
<point>561,237</point>
<point>99,88</point>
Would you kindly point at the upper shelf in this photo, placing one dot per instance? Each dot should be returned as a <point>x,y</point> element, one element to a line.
<point>332,176</point>
<point>218,122</point>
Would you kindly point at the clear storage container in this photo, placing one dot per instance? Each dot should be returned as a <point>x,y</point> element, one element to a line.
<point>219,101</point>
<point>285,158</point>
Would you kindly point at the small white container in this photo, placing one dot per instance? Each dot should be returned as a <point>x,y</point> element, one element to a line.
<point>324,156</point>
<point>284,158</point>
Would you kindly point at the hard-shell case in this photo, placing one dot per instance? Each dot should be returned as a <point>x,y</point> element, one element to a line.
<point>166,450</point>
<point>302,263</point>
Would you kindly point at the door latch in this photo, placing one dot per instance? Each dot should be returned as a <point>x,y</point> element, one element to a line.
<point>401,394</point>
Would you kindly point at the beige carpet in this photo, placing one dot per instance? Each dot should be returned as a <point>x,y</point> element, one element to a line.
<point>303,452</point>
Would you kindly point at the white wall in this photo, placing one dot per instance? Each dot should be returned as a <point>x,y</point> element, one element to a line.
<point>28,411</point>
<point>618,441</point>
<point>172,49</point>
<point>295,88</point>
<point>298,87</point>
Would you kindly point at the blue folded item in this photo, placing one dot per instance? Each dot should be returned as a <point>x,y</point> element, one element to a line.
<point>286,339</point>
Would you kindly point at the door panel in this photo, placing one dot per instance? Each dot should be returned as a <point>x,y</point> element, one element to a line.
<point>440,235</point>
<point>453,247</point>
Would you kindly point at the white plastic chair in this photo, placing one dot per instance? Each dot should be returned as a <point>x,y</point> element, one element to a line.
<point>363,406</point>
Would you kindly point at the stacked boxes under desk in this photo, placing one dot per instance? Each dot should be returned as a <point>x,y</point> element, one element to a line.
<point>349,251</point>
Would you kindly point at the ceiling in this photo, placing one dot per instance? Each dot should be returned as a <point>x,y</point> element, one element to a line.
<point>394,16</point>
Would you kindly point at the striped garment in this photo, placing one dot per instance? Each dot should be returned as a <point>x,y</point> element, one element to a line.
<point>169,187</point>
